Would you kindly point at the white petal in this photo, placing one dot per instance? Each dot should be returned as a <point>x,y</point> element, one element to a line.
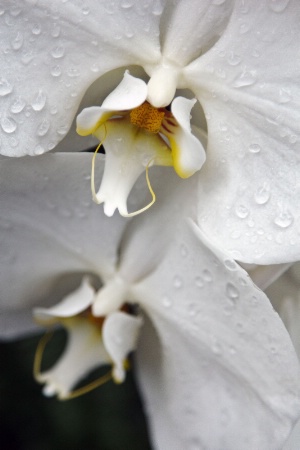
<point>120,335</point>
<point>214,372</point>
<point>84,353</point>
<point>50,229</point>
<point>248,86</point>
<point>71,44</point>
<point>110,297</point>
<point>128,152</point>
<point>129,94</point>
<point>187,151</point>
<point>73,304</point>
<point>189,28</point>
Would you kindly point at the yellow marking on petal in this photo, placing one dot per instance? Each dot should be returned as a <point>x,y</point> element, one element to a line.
<point>147,117</point>
<point>87,131</point>
<point>181,172</point>
<point>94,195</point>
<point>77,392</point>
<point>139,211</point>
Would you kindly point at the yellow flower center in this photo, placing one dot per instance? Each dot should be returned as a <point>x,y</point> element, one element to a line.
<point>147,117</point>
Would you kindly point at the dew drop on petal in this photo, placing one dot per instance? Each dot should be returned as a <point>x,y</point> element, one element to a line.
<point>56,71</point>
<point>232,292</point>
<point>177,282</point>
<point>284,219</point>
<point>58,52</point>
<point>8,125</point>
<point>254,148</point>
<point>278,6</point>
<point>230,264</point>
<point>39,101</point>
<point>39,150</point>
<point>166,301</point>
<point>17,41</point>
<point>245,79</point>
<point>262,194</point>
<point>36,29</point>
<point>233,59</point>
<point>207,276</point>
<point>199,282</point>
<point>43,127</point>
<point>242,211</point>
<point>5,87</point>
<point>126,4</point>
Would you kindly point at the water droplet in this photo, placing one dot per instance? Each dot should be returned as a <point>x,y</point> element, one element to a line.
<point>17,42</point>
<point>177,282</point>
<point>39,101</point>
<point>38,150</point>
<point>85,10</point>
<point>43,127</point>
<point>284,219</point>
<point>207,276</point>
<point>192,309</point>
<point>233,59</point>
<point>56,71</point>
<point>245,79</point>
<point>262,194</point>
<point>278,5</point>
<point>62,130</point>
<point>95,67</point>
<point>242,211</point>
<point>230,264</point>
<point>199,282</point>
<point>232,292</point>
<point>166,301</point>
<point>5,87</point>
<point>27,58</point>
<point>254,148</point>
<point>8,125</point>
<point>55,31</point>
<point>157,9</point>
<point>36,29</point>
<point>244,28</point>
<point>58,52</point>
<point>73,72</point>
<point>216,348</point>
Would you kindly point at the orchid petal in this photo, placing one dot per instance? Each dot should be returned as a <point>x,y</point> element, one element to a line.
<point>188,31</point>
<point>187,151</point>
<point>129,94</point>
<point>73,304</point>
<point>128,152</point>
<point>222,381</point>
<point>51,228</point>
<point>249,90</point>
<point>120,334</point>
<point>71,47</point>
<point>84,352</point>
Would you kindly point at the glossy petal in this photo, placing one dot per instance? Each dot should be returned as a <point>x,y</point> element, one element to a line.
<point>120,335</point>
<point>188,29</point>
<point>51,229</point>
<point>221,383</point>
<point>187,151</point>
<point>129,94</point>
<point>248,86</point>
<point>71,44</point>
<point>73,304</point>
<point>128,152</point>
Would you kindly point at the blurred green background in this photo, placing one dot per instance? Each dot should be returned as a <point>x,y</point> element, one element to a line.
<point>109,418</point>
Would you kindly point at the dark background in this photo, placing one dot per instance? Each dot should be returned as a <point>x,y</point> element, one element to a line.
<point>109,418</point>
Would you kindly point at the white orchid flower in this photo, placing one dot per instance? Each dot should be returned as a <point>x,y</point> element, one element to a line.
<point>239,59</point>
<point>215,365</point>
